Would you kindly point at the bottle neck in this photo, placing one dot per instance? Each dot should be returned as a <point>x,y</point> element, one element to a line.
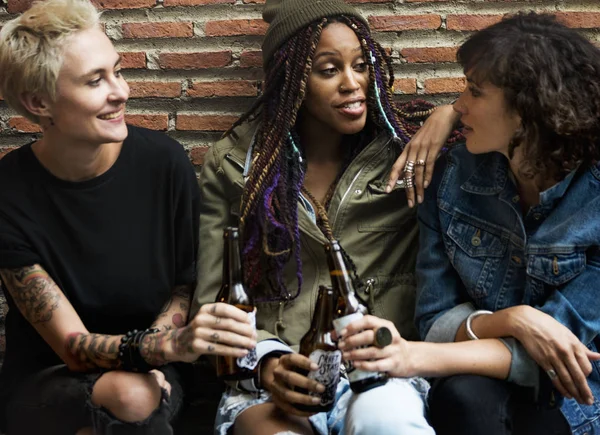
<point>235,275</point>
<point>323,318</point>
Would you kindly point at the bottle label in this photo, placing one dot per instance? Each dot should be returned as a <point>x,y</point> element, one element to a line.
<point>250,361</point>
<point>354,374</point>
<point>328,374</point>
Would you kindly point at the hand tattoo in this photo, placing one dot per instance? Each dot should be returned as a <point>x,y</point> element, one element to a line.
<point>34,292</point>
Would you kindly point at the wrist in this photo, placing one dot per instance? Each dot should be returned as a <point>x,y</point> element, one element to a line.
<point>516,320</point>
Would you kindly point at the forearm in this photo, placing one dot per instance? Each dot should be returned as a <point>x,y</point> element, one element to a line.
<point>482,357</point>
<point>175,312</point>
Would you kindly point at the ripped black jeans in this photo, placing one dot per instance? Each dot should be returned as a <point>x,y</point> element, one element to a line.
<point>57,401</point>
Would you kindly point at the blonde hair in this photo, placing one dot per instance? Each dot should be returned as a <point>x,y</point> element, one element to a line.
<point>31,48</point>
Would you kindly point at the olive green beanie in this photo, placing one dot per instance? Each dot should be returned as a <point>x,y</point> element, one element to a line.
<point>286,17</point>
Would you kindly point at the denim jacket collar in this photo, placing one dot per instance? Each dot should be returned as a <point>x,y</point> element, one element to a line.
<point>492,174</point>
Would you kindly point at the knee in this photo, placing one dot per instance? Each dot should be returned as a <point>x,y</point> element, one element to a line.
<point>130,397</point>
<point>396,408</point>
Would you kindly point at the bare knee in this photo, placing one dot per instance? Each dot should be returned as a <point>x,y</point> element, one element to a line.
<point>130,397</point>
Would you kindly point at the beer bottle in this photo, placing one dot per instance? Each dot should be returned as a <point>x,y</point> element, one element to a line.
<point>319,347</point>
<point>350,309</point>
<point>234,292</point>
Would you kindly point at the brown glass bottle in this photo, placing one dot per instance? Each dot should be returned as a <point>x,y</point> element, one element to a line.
<point>350,309</point>
<point>234,292</point>
<point>320,348</point>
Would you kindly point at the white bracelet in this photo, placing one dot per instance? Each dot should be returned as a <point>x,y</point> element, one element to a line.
<point>474,314</point>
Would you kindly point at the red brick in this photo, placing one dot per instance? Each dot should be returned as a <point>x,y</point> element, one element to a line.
<point>197,155</point>
<point>168,3</point>
<point>123,4</point>
<point>225,88</point>
<point>154,89</point>
<point>445,85</point>
<point>5,151</point>
<point>133,60</point>
<point>211,59</point>
<point>396,23</point>
<point>471,22</point>
<point>24,125</point>
<point>580,20</point>
<point>429,54</point>
<point>14,6</point>
<point>205,122</point>
<point>235,27</point>
<point>158,30</point>
<point>153,122</point>
<point>405,86</point>
<point>251,59</point>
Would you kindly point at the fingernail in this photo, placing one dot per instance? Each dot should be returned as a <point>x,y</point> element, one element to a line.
<point>419,199</point>
<point>320,388</point>
<point>410,203</point>
<point>316,400</point>
<point>388,188</point>
<point>346,355</point>
<point>341,344</point>
<point>343,332</point>
<point>426,183</point>
<point>314,367</point>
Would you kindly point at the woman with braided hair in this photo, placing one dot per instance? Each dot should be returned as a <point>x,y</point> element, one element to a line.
<point>312,161</point>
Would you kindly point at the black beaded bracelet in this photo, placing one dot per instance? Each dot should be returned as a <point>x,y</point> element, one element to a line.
<point>129,351</point>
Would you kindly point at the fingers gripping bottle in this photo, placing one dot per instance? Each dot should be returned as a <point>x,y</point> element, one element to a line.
<point>234,292</point>
<point>349,309</point>
<point>320,348</point>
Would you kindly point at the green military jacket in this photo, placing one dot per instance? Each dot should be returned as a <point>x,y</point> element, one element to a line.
<point>378,230</point>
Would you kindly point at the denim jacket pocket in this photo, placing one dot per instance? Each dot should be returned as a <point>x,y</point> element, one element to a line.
<point>556,265</point>
<point>476,251</point>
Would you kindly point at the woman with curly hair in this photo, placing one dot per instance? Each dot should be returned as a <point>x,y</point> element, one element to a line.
<point>510,234</point>
<point>310,162</point>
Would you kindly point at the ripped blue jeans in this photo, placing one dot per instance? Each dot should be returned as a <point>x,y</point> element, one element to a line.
<point>56,401</point>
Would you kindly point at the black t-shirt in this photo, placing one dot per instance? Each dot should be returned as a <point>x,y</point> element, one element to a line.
<point>116,245</point>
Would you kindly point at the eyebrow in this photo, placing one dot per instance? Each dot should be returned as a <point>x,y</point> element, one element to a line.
<point>99,70</point>
<point>334,53</point>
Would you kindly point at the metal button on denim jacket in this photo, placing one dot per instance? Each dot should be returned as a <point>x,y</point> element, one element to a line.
<point>478,251</point>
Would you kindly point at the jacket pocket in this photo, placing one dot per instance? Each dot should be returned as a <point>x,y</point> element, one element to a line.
<point>385,212</point>
<point>476,251</point>
<point>556,265</point>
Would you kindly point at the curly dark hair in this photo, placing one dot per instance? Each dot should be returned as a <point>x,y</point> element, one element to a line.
<point>550,76</point>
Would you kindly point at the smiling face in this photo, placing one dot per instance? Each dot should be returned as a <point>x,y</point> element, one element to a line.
<point>338,83</point>
<point>90,91</point>
<point>489,125</point>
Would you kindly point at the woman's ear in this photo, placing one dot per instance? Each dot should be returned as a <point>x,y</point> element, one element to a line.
<point>36,104</point>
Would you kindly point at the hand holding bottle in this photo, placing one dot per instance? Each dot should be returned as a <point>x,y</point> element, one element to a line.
<point>357,342</point>
<point>282,377</point>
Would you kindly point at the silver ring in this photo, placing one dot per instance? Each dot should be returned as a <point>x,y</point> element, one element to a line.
<point>409,167</point>
<point>551,374</point>
<point>420,163</point>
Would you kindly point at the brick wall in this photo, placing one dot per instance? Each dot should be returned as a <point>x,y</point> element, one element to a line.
<point>195,65</point>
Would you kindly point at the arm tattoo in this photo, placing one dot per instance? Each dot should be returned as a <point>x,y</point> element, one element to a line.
<point>174,313</point>
<point>33,291</point>
<point>89,351</point>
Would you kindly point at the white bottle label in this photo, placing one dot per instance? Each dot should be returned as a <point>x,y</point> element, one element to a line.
<point>353,373</point>
<point>328,373</point>
<point>251,359</point>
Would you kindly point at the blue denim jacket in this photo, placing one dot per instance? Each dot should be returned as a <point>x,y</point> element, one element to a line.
<point>478,251</point>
